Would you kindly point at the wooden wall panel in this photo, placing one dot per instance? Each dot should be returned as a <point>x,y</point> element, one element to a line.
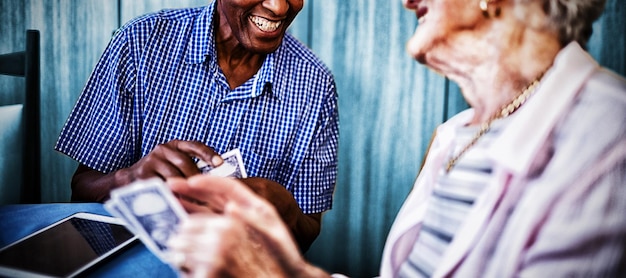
<point>12,90</point>
<point>130,9</point>
<point>389,105</point>
<point>301,26</point>
<point>13,34</point>
<point>608,42</point>
<point>73,35</point>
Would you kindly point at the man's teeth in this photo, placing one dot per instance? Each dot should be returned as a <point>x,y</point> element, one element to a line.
<point>264,24</point>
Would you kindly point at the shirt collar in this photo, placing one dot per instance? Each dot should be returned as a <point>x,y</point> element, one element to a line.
<point>264,78</point>
<point>526,133</point>
<point>201,48</point>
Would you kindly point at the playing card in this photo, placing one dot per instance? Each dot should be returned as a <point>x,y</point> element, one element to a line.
<point>152,211</point>
<point>114,210</point>
<point>232,167</point>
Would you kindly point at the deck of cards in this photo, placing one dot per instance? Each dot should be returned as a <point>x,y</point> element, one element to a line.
<point>152,212</point>
<point>232,167</point>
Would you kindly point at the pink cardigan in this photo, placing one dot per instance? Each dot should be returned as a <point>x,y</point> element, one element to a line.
<point>557,202</point>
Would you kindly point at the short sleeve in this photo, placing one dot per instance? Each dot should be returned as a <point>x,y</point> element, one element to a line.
<point>98,130</point>
<point>318,174</point>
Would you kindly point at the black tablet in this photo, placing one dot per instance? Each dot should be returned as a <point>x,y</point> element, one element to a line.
<point>65,248</point>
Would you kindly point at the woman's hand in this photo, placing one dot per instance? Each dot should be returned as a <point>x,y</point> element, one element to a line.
<point>243,236</point>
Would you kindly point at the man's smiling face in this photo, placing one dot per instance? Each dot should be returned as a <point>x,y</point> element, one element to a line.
<point>259,25</point>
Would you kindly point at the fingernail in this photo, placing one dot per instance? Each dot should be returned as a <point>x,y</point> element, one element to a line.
<point>216,160</point>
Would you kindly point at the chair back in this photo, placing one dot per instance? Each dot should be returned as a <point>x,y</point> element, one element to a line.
<point>24,64</point>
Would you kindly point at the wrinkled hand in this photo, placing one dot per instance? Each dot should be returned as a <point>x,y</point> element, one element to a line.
<point>207,201</point>
<point>277,195</point>
<point>172,159</point>
<point>245,237</point>
<point>304,227</point>
<point>217,246</point>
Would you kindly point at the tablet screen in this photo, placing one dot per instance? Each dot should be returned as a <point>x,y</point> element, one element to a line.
<point>67,247</point>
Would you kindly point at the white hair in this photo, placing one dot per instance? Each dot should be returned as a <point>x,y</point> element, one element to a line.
<point>571,19</point>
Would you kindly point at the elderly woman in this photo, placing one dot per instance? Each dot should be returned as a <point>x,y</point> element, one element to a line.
<point>530,181</point>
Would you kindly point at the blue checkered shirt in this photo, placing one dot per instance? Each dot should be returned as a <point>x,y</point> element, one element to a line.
<point>158,80</point>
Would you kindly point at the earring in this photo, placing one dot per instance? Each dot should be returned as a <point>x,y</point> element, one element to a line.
<point>484,6</point>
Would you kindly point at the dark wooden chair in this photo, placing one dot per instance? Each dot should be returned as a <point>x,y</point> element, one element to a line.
<point>27,64</point>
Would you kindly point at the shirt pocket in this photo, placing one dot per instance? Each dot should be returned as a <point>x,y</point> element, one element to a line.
<point>261,164</point>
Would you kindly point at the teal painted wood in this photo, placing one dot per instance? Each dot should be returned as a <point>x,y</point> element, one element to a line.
<point>13,34</point>
<point>73,35</point>
<point>301,26</point>
<point>389,105</point>
<point>12,13</point>
<point>608,41</point>
<point>69,40</point>
<point>130,9</point>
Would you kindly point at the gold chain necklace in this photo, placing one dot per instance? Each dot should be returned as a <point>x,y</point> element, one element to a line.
<point>504,112</point>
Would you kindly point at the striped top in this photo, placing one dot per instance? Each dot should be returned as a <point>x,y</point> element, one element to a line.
<point>159,80</point>
<point>452,198</point>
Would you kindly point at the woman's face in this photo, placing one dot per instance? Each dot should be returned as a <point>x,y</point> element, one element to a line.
<point>259,25</point>
<point>444,26</point>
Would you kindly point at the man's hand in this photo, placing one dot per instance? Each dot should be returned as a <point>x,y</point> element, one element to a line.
<point>172,159</point>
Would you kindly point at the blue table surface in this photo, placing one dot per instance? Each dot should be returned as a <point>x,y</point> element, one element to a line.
<point>17,221</point>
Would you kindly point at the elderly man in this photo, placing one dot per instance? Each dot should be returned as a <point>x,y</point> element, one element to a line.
<point>180,85</point>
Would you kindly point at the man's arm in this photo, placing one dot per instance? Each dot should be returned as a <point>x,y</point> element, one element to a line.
<point>91,185</point>
<point>172,159</point>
